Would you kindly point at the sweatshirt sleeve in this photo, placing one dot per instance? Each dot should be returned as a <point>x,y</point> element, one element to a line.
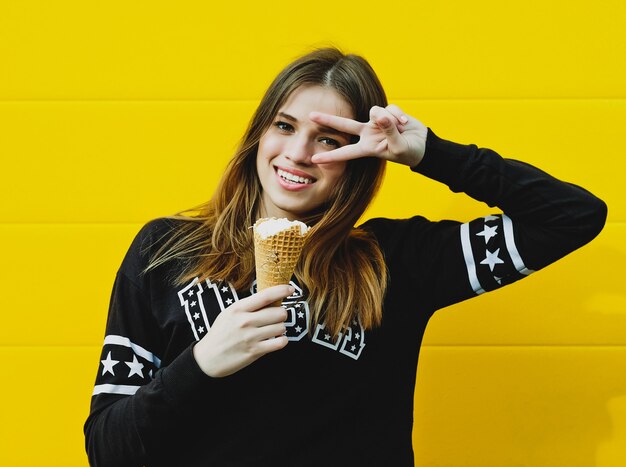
<point>542,220</point>
<point>138,404</point>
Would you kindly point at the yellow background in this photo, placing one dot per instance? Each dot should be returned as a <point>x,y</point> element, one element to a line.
<point>113,113</point>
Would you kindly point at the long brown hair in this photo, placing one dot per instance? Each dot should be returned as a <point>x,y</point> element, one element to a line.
<point>342,267</point>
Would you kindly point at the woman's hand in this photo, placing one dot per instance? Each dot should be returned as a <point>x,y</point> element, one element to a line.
<point>390,134</point>
<point>244,332</point>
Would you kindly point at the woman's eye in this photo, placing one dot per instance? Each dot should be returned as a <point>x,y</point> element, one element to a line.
<point>330,142</point>
<point>283,126</point>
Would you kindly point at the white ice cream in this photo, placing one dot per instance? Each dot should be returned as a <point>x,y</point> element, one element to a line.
<point>268,227</point>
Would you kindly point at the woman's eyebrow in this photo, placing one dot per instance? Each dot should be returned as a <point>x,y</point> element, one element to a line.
<point>287,116</point>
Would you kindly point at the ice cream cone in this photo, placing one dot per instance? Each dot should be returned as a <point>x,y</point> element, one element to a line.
<point>276,251</point>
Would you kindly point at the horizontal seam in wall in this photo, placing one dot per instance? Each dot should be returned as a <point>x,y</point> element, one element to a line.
<point>534,346</point>
<point>252,101</point>
<point>135,223</point>
<point>77,224</point>
<point>50,346</point>
<point>425,346</point>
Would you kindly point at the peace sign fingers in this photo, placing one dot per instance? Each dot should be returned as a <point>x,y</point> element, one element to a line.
<point>389,134</point>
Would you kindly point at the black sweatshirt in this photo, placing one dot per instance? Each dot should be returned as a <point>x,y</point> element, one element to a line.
<point>317,401</point>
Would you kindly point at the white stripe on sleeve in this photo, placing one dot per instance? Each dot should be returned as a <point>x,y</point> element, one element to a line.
<point>123,389</point>
<point>124,341</point>
<point>509,239</point>
<point>469,260</point>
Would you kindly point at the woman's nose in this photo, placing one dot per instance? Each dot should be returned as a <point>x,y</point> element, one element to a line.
<point>300,151</point>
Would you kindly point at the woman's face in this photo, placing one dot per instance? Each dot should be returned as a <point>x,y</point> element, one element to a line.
<point>292,185</point>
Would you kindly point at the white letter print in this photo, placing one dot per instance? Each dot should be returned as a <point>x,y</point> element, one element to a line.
<point>191,300</point>
<point>351,343</point>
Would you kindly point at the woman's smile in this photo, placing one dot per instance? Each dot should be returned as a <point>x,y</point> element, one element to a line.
<point>293,179</point>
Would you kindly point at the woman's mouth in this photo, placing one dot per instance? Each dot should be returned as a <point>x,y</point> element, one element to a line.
<point>293,178</point>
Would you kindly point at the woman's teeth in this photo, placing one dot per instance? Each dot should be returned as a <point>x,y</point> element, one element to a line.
<point>293,178</point>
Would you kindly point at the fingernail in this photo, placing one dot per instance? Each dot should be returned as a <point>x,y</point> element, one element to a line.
<point>291,289</point>
<point>403,119</point>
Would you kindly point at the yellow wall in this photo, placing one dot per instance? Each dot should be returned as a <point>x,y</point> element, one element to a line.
<point>112,113</point>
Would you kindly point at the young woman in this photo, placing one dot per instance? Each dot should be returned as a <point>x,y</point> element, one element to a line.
<point>198,369</point>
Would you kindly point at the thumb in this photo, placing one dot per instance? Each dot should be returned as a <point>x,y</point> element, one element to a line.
<point>385,120</point>
<point>387,124</point>
<point>382,119</point>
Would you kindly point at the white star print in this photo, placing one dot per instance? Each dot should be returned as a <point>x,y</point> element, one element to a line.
<point>358,335</point>
<point>298,329</point>
<point>327,336</point>
<point>488,232</point>
<point>498,280</point>
<point>229,301</point>
<point>492,259</point>
<point>108,364</point>
<point>491,218</point>
<point>190,293</point>
<point>135,367</point>
<point>193,303</point>
<point>298,305</point>
<point>224,289</point>
<point>196,315</point>
<point>300,314</point>
<point>353,347</point>
<point>201,329</point>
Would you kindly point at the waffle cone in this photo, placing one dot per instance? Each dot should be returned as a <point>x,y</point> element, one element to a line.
<point>276,257</point>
